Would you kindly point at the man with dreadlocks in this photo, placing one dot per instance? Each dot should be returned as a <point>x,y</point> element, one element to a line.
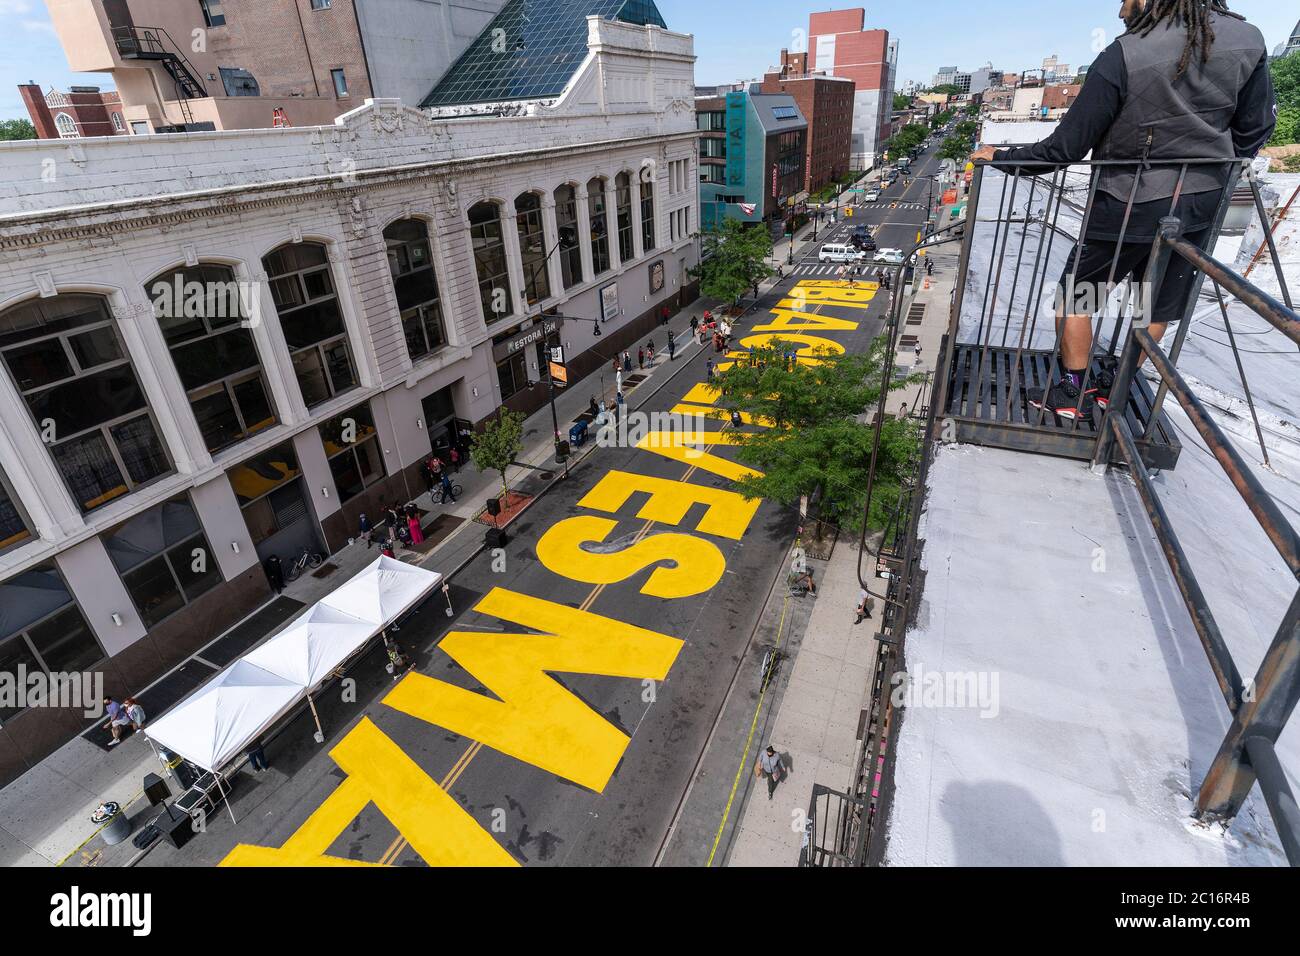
<point>1187,80</point>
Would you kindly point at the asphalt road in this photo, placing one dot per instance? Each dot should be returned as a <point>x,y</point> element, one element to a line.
<point>539,816</point>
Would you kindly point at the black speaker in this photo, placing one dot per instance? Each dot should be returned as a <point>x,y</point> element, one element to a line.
<point>156,789</point>
<point>561,450</point>
<point>178,831</point>
<point>494,506</point>
<point>496,538</point>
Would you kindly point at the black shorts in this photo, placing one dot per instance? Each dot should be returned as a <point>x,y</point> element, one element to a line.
<point>1094,267</point>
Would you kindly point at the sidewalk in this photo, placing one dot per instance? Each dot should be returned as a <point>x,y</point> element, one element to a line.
<point>818,711</point>
<point>45,814</point>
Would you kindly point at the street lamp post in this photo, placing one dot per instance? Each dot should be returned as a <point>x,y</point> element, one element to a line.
<point>550,379</point>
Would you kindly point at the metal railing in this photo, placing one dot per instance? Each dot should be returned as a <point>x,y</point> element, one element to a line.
<point>1011,341</point>
<point>1260,708</point>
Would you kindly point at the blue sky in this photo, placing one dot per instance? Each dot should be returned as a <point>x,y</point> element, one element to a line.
<point>737,39</point>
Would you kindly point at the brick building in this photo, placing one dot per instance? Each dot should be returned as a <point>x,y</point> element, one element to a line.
<point>82,111</point>
<point>826,102</point>
<point>244,64</point>
<point>839,45</point>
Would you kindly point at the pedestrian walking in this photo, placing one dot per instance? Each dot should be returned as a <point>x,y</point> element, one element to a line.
<point>435,470</point>
<point>672,347</point>
<point>274,572</point>
<point>708,371</point>
<point>617,364</point>
<point>772,767</point>
<point>454,455</point>
<point>918,350</point>
<point>664,315</point>
<point>627,361</point>
<point>695,325</point>
<point>364,529</point>
<point>640,358</point>
<point>592,408</point>
<point>650,352</point>
<point>865,604</point>
<point>618,381</point>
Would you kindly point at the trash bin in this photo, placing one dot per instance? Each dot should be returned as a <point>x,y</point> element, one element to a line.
<point>578,434</point>
<point>116,824</point>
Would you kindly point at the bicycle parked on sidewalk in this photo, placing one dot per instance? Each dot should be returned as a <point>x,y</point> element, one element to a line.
<point>306,559</point>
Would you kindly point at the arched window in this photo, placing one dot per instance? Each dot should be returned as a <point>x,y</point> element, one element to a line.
<point>647,211</point>
<point>299,274</point>
<point>599,225</point>
<point>203,313</point>
<point>490,261</point>
<point>532,247</point>
<point>418,301</point>
<point>14,526</point>
<point>72,370</point>
<point>623,202</point>
<point>66,126</point>
<point>566,223</point>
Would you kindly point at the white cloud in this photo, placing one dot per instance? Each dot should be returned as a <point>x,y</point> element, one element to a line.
<point>10,8</point>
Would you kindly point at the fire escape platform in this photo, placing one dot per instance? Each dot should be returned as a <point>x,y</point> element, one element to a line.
<point>987,401</point>
<point>1092,713</point>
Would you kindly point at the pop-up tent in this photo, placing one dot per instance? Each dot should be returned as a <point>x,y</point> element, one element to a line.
<point>215,724</point>
<point>216,721</point>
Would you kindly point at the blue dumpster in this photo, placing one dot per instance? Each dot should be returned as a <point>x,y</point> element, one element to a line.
<point>578,434</point>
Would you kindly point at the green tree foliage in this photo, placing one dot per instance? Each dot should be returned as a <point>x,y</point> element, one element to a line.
<point>817,444</point>
<point>16,129</point>
<point>902,102</point>
<point>497,446</point>
<point>905,140</point>
<point>1286,84</point>
<point>939,119</point>
<point>734,259</point>
<point>948,89</point>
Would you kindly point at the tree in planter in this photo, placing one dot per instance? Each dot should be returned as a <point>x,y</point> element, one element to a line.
<point>733,260</point>
<point>496,447</point>
<point>816,445</point>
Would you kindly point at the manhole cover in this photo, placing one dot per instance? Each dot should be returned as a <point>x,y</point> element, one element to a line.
<point>546,475</point>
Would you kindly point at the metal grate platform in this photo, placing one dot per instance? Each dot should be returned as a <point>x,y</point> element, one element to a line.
<point>986,411</point>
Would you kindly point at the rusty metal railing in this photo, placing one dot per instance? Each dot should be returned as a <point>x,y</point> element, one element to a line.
<point>1260,708</point>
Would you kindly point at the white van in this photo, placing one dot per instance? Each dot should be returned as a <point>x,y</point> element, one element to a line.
<point>835,252</point>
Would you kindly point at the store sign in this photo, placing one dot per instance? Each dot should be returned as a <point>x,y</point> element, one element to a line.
<point>736,140</point>
<point>548,326</point>
<point>656,276</point>
<point>609,302</point>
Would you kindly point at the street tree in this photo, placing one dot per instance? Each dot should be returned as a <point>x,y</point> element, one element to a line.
<point>816,445</point>
<point>733,260</point>
<point>497,446</point>
<point>16,129</point>
<point>1286,87</point>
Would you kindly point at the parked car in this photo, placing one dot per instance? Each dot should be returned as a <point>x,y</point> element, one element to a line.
<point>888,257</point>
<point>871,195</point>
<point>839,252</point>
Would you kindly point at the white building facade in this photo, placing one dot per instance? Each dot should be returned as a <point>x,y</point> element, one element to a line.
<point>387,276</point>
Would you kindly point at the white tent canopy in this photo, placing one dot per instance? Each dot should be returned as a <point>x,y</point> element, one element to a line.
<point>217,722</point>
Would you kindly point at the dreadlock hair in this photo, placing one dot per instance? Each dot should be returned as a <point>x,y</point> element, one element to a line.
<point>1195,17</point>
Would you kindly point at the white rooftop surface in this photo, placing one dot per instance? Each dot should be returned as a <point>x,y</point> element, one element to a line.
<point>1107,712</point>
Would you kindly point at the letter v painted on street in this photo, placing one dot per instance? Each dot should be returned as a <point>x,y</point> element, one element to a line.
<point>536,720</point>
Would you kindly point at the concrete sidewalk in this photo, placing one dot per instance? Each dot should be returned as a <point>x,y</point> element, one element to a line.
<point>45,814</point>
<point>819,709</point>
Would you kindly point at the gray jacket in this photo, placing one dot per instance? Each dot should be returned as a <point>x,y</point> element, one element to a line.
<point>1165,117</point>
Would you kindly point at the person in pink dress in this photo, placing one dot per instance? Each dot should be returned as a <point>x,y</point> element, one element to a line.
<point>413,522</point>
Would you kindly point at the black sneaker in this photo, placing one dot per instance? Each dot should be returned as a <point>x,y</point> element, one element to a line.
<point>1104,380</point>
<point>1062,399</point>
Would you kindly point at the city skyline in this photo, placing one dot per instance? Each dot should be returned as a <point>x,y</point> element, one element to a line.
<point>723,56</point>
